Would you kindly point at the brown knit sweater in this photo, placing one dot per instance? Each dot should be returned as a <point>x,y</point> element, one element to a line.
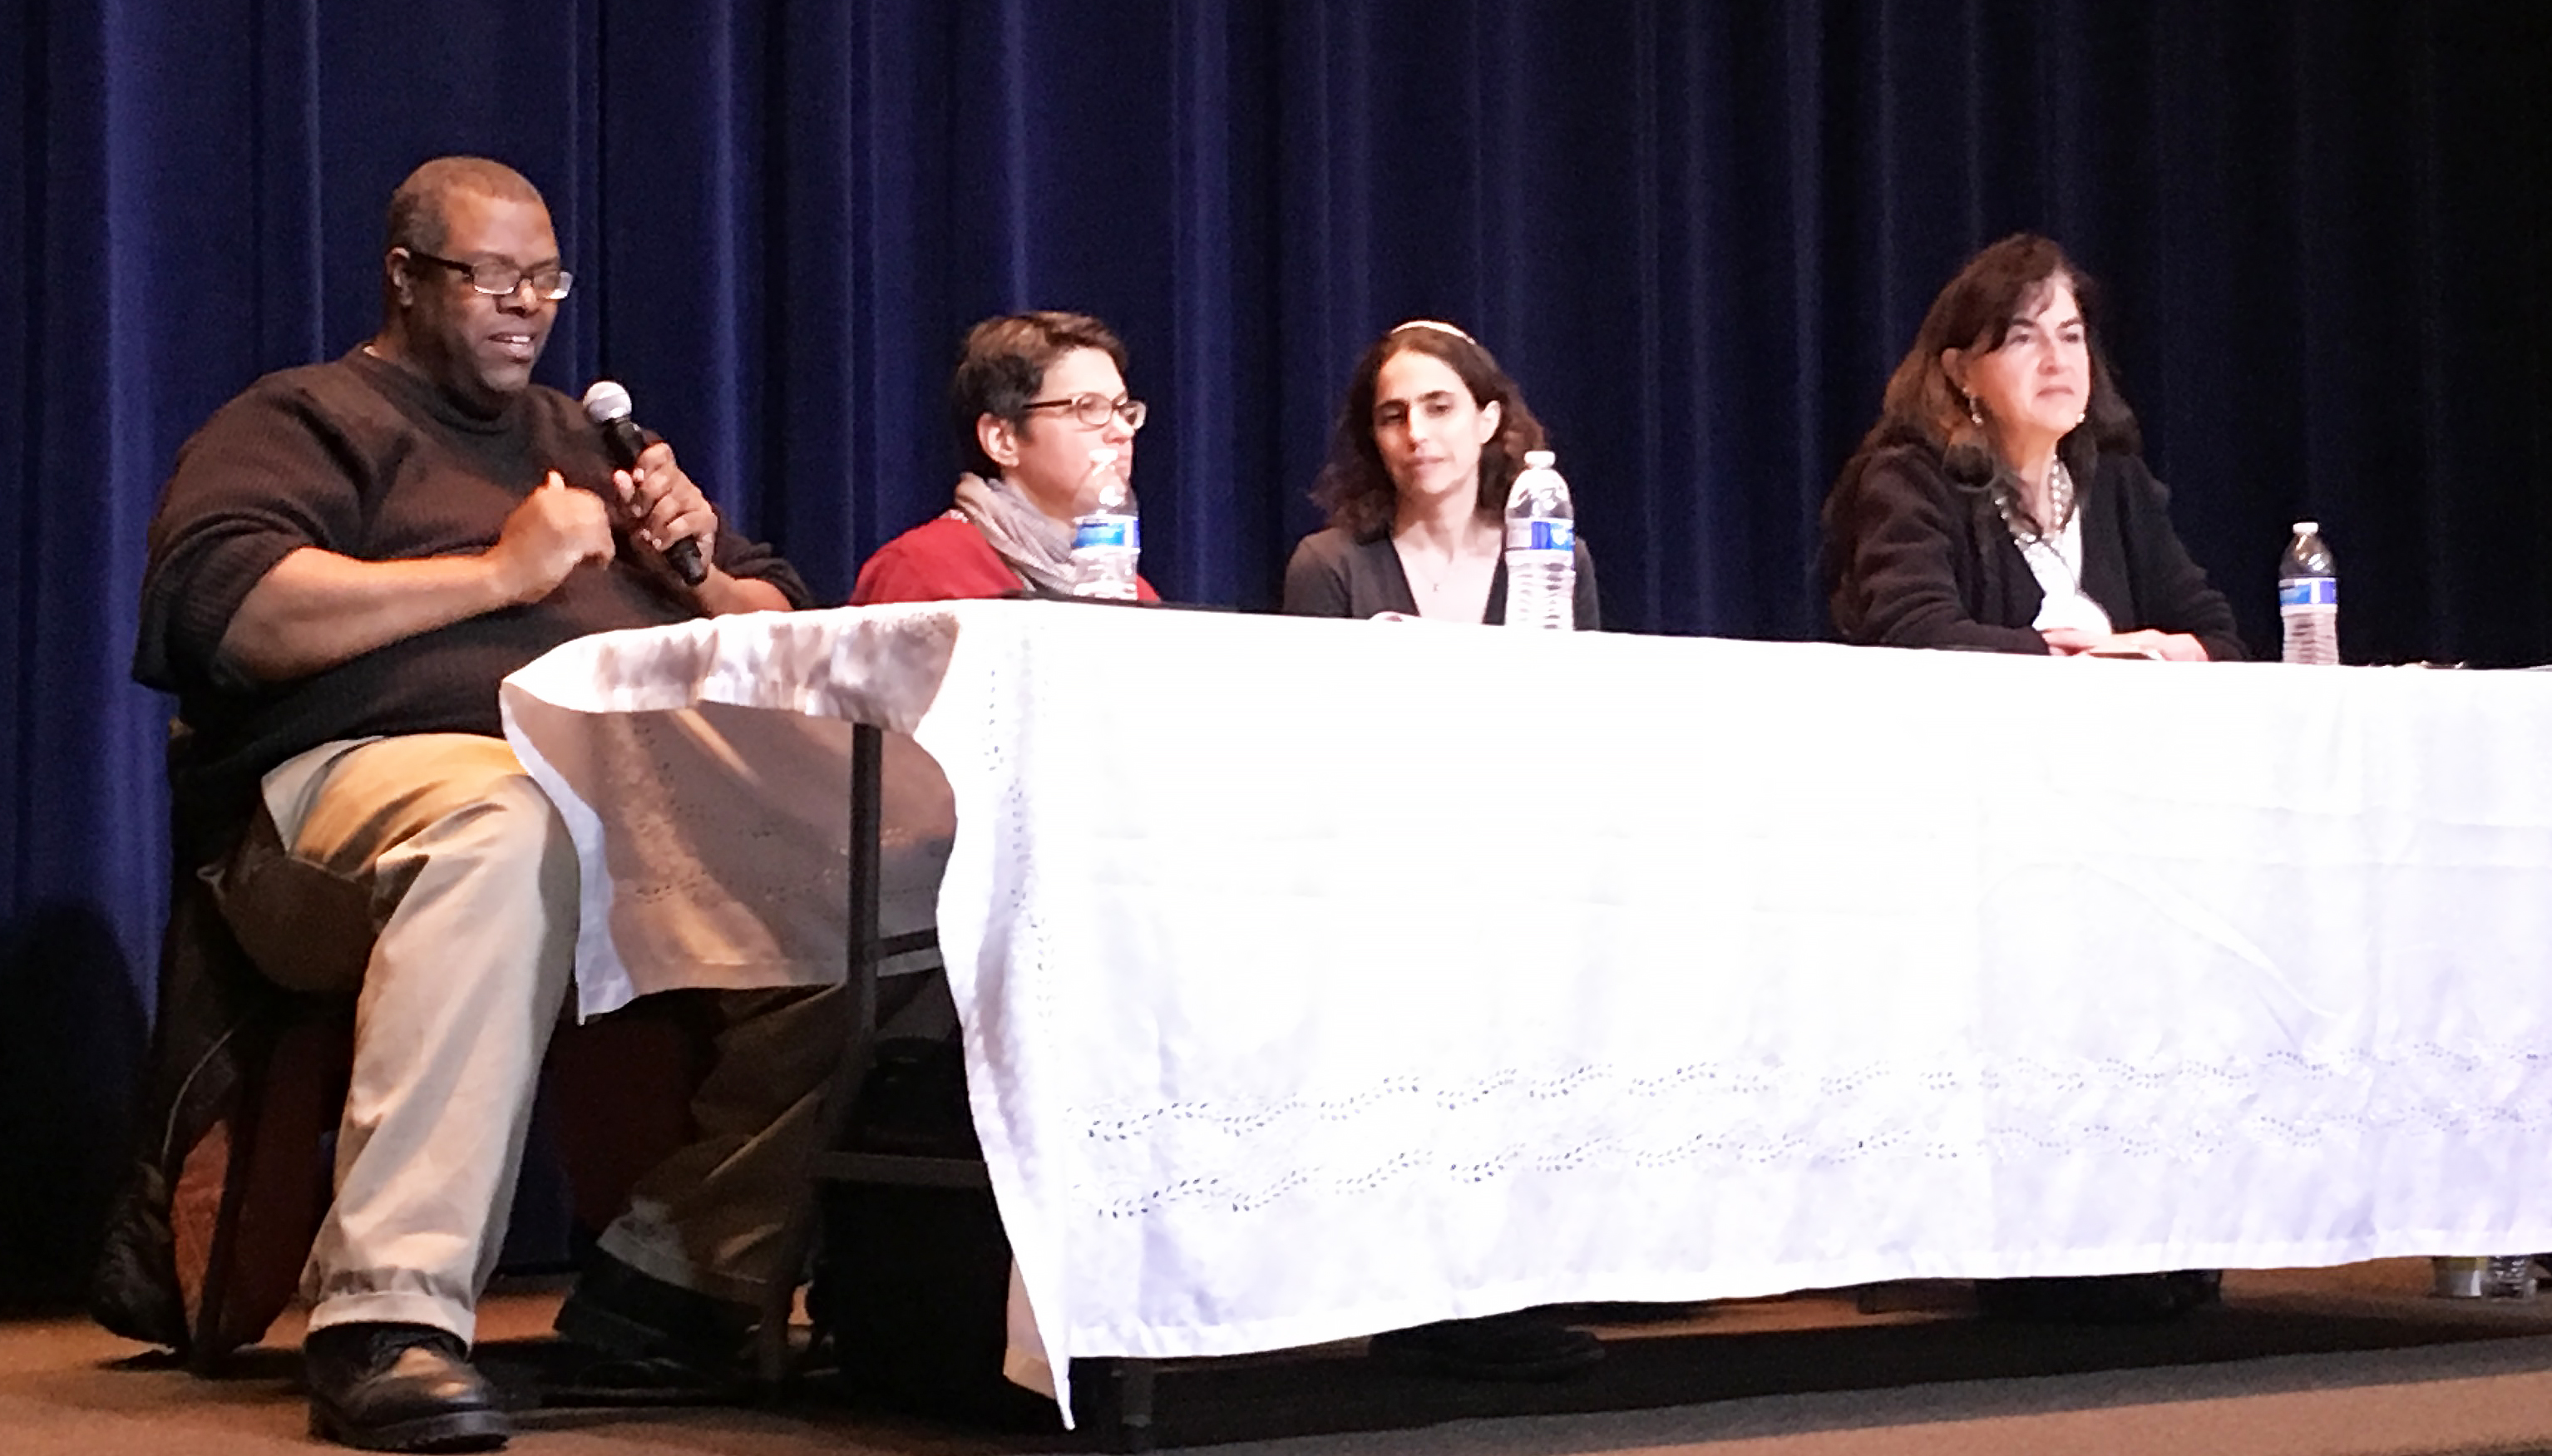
<point>361,457</point>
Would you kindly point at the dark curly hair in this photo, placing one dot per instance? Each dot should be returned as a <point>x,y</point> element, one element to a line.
<point>1002,366</point>
<point>1355,489</point>
<point>1974,314</point>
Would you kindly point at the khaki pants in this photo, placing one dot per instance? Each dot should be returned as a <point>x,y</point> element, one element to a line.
<point>432,872</point>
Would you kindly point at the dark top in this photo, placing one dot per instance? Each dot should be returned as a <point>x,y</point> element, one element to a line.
<point>362,458</point>
<point>1914,559</point>
<point>1335,575</point>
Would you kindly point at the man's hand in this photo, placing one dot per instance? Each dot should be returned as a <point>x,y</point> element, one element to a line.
<point>316,609</point>
<point>2065,642</point>
<point>551,533</point>
<point>664,505</point>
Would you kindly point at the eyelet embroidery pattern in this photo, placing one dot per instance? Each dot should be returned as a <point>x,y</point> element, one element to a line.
<point>1724,1120</point>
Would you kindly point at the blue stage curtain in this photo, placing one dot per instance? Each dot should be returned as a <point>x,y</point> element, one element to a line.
<point>1698,234</point>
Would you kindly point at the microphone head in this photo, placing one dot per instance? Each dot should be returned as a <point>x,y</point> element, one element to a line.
<point>607,401</point>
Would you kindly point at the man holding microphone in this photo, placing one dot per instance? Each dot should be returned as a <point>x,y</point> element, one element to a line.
<point>347,561</point>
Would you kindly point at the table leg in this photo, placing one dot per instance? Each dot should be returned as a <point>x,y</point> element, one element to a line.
<point>1135,1434</point>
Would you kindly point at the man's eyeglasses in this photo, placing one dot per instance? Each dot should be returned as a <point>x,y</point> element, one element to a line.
<point>1094,410</point>
<point>499,280</point>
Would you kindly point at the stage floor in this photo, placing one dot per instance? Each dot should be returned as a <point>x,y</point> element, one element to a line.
<point>2352,1360</point>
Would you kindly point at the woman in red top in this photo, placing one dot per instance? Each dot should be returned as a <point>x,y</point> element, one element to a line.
<point>1034,395</point>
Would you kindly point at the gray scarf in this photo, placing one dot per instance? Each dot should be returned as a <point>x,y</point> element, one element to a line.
<point>1037,546</point>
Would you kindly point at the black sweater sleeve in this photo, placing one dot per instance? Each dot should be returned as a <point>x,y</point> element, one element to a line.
<point>2171,592</point>
<point>266,476</point>
<point>1896,537</point>
<point>754,561</point>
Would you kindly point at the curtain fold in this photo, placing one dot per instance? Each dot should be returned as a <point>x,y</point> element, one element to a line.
<point>1698,235</point>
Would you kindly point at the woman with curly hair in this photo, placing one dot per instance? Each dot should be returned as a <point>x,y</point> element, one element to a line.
<point>1431,438</point>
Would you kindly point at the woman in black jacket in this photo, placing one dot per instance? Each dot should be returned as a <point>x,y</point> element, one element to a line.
<point>2000,502</point>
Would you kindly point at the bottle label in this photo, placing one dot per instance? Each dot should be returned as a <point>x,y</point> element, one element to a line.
<point>2308,591</point>
<point>1106,533</point>
<point>1540,535</point>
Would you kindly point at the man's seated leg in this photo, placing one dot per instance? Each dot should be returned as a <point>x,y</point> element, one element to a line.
<point>470,883</point>
<point>680,1277</point>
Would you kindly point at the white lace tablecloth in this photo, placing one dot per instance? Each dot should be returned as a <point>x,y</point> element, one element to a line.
<point>1320,978</point>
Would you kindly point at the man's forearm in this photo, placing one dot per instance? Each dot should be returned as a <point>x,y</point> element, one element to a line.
<point>721,594</point>
<point>317,609</point>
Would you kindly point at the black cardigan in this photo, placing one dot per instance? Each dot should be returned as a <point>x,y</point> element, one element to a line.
<point>1914,559</point>
<point>1337,575</point>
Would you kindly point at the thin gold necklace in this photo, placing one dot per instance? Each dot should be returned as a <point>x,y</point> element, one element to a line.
<point>1434,584</point>
<point>1443,572</point>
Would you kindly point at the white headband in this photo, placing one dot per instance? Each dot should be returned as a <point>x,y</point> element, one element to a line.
<point>1437,326</point>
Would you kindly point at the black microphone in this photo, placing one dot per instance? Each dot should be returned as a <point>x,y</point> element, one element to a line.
<point>607,405</point>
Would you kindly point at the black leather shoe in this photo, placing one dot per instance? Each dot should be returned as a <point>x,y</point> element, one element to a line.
<point>1518,1347</point>
<point>675,1341</point>
<point>2099,1298</point>
<point>398,1388</point>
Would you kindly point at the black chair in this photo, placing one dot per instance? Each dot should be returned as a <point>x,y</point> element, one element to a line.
<point>246,1080</point>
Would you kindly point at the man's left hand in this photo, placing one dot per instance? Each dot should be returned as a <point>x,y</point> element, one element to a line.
<point>662,504</point>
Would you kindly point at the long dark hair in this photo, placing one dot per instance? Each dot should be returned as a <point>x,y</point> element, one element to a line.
<point>1354,488</point>
<point>1974,314</point>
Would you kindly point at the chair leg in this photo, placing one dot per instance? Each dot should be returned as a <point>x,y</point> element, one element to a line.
<point>619,1090</point>
<point>274,1189</point>
<point>203,1204</point>
<point>1134,1394</point>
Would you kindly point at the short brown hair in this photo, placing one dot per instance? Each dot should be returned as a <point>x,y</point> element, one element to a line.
<point>1002,366</point>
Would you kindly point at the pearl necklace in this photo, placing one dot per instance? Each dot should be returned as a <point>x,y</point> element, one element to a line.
<point>2060,506</point>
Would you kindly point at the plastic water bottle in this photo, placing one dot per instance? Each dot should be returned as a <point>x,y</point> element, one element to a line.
<point>2458,1276</point>
<point>2309,597</point>
<point>2485,1277</point>
<point>1108,539</point>
<point>1542,547</point>
<point>2508,1277</point>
